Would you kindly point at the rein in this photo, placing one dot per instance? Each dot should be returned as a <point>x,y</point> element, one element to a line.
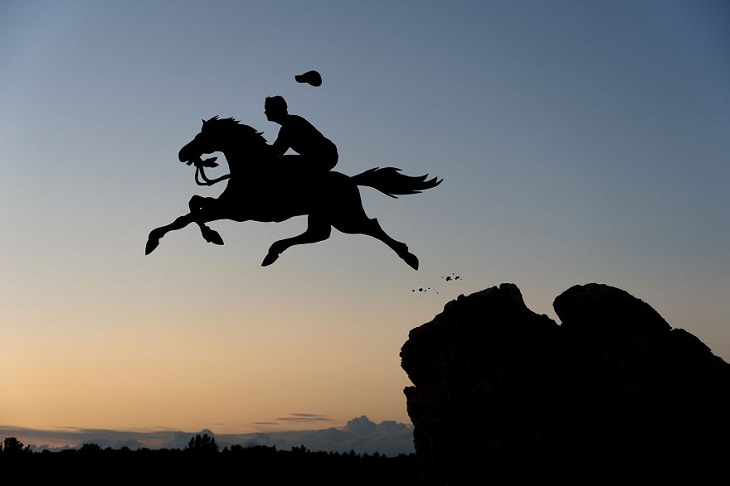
<point>200,166</point>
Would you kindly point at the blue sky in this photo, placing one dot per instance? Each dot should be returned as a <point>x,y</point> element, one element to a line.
<point>579,141</point>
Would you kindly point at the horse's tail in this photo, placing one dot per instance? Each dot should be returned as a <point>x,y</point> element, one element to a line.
<point>391,182</point>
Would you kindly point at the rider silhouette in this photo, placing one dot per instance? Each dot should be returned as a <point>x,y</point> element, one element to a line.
<point>315,151</point>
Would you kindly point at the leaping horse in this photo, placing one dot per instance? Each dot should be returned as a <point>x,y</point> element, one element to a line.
<point>262,188</point>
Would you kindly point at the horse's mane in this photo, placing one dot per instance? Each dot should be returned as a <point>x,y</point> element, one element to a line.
<point>234,127</point>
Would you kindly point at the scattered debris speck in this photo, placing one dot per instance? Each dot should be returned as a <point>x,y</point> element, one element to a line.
<point>448,278</point>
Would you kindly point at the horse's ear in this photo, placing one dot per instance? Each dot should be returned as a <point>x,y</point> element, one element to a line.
<point>203,120</point>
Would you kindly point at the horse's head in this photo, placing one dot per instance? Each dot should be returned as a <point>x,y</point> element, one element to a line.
<point>205,142</point>
<point>219,135</point>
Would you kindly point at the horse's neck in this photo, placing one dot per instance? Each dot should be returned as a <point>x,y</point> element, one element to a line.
<point>259,161</point>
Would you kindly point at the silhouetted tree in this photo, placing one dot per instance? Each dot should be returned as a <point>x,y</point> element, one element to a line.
<point>91,448</point>
<point>12,445</point>
<point>202,443</point>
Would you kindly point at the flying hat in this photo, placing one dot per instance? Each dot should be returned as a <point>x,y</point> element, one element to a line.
<point>310,77</point>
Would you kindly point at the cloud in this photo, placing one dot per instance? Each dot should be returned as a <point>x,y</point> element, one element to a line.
<point>359,434</point>
<point>303,418</point>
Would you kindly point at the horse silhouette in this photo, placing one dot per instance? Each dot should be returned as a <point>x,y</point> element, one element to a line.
<point>262,187</point>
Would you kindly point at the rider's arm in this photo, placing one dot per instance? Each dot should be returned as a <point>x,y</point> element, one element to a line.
<point>281,145</point>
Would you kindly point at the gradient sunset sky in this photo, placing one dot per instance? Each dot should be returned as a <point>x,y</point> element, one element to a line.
<point>579,141</point>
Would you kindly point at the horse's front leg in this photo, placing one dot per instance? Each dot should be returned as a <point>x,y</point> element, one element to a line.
<point>198,204</point>
<point>153,240</point>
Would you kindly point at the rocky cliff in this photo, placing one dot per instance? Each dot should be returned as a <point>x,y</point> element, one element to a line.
<point>612,394</point>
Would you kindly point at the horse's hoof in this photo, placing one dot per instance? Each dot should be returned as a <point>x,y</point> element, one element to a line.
<point>411,260</point>
<point>271,257</point>
<point>213,237</point>
<point>152,243</point>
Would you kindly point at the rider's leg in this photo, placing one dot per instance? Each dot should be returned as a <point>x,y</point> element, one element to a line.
<point>318,229</point>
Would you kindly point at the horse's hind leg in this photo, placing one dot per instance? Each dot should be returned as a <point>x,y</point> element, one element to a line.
<point>318,229</point>
<point>371,227</point>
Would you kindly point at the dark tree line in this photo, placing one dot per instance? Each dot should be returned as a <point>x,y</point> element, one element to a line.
<point>202,460</point>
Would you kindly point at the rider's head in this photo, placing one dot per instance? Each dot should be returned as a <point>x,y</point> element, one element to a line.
<point>275,107</point>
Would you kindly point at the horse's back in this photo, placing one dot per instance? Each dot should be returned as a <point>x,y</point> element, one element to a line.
<point>287,193</point>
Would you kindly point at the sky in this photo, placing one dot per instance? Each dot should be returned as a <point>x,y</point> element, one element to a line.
<point>579,141</point>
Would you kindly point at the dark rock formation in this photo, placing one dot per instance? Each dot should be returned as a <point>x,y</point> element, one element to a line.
<point>613,395</point>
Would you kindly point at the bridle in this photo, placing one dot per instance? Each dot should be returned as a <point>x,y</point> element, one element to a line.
<point>200,166</point>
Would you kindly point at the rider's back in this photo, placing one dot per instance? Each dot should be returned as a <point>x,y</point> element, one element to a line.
<point>302,137</point>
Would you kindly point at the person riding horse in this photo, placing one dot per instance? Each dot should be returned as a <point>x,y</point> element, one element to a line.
<point>316,154</point>
<point>330,200</point>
